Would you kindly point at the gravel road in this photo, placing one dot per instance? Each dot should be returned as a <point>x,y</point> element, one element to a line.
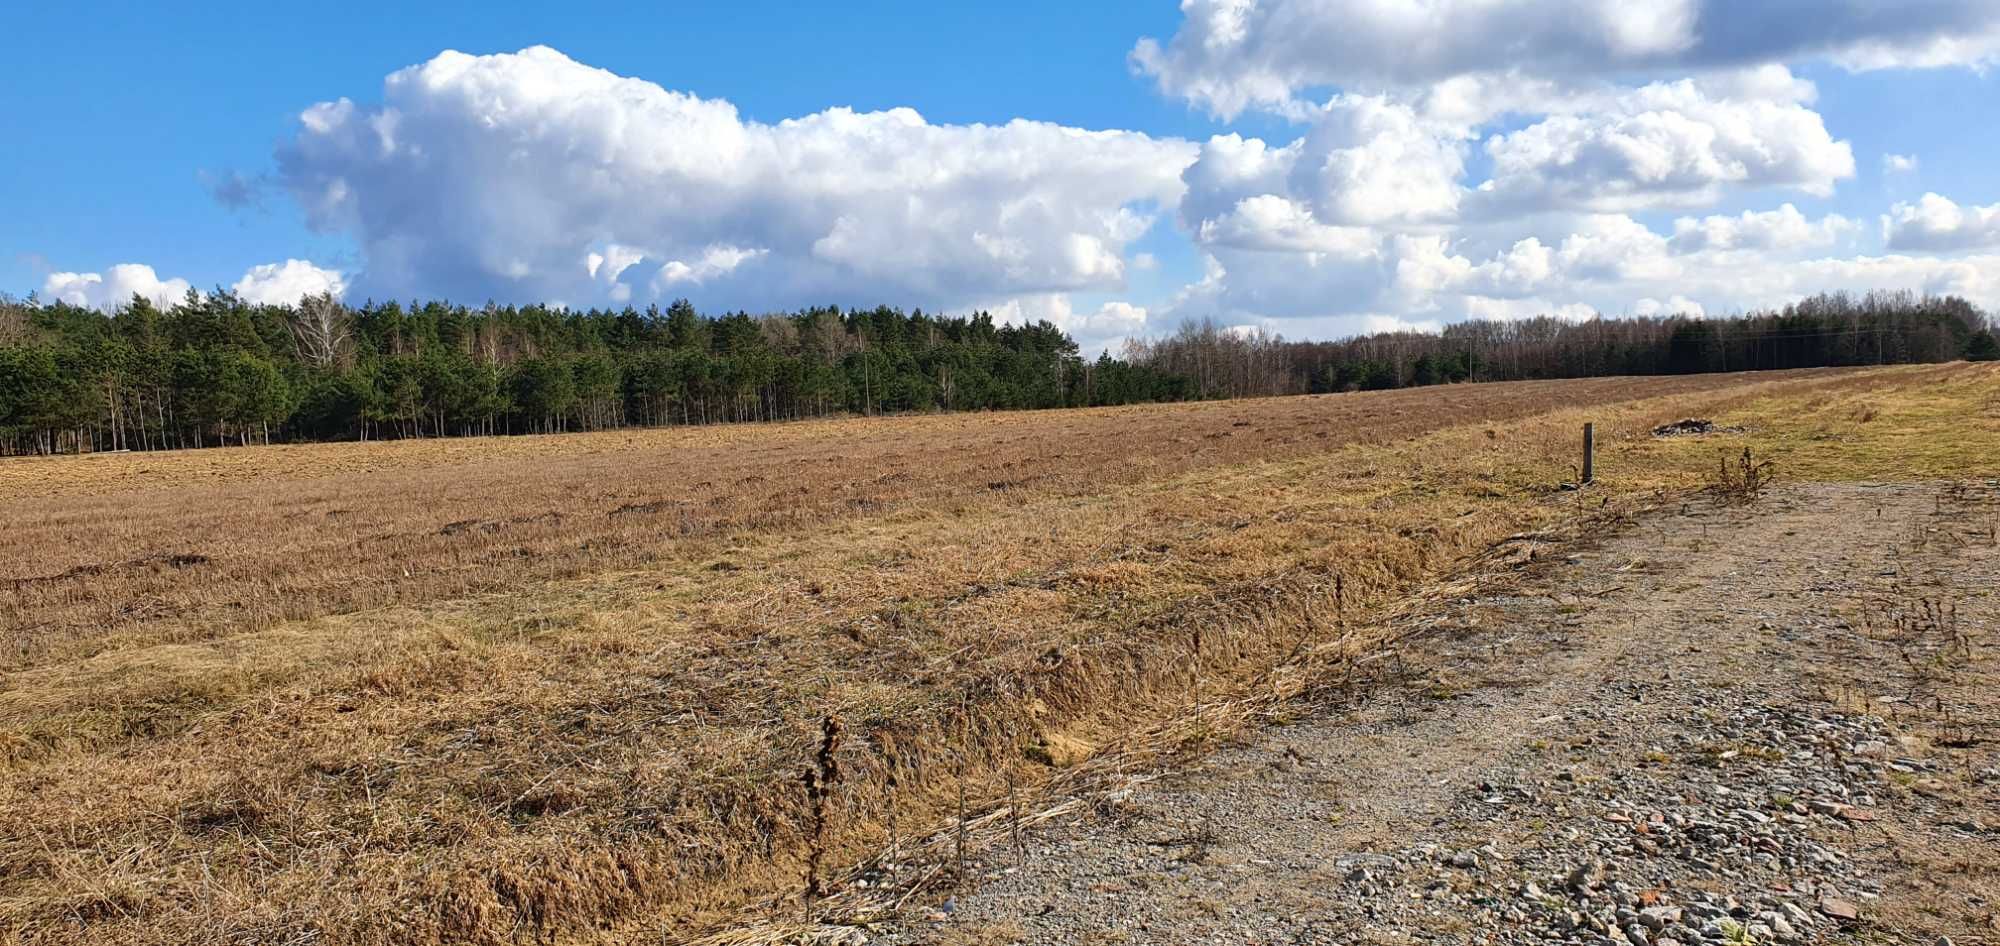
<point>1766,723</point>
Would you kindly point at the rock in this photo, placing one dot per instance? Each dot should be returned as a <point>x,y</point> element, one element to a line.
<point>1370,863</point>
<point>1585,877</point>
<point>1659,918</point>
<point>1839,909</point>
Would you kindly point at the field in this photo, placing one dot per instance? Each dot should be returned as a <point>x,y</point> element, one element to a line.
<point>564,688</point>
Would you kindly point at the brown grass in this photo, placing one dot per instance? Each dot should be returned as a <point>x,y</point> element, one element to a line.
<point>115,550</point>
<point>371,728</point>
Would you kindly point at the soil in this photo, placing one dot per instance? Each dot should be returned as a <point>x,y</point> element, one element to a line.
<point>1773,721</point>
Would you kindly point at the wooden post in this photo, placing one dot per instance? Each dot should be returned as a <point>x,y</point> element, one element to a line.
<point>1589,448</point>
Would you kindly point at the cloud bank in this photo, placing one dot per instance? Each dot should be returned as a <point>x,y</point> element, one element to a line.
<point>1433,160</point>
<point>1938,224</point>
<point>1498,158</point>
<point>530,176</point>
<point>114,287</point>
<point>268,284</point>
<point>1229,55</point>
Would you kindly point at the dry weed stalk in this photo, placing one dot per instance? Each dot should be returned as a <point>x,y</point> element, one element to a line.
<point>822,780</point>
<point>1743,478</point>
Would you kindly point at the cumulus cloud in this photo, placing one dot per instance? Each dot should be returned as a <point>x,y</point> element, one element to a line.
<point>1370,166</point>
<point>114,288</point>
<point>1899,164</point>
<point>1976,278</point>
<point>1229,55</point>
<point>1103,328</point>
<point>1782,229</point>
<point>1672,305</point>
<point>1432,174</point>
<point>1374,209</point>
<point>1368,161</point>
<point>1598,263</point>
<point>507,175</point>
<point>267,284</point>
<point>287,282</point>
<point>1271,222</point>
<point>1673,144</point>
<point>1938,224</point>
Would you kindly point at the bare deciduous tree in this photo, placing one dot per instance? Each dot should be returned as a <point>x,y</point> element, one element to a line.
<point>320,329</point>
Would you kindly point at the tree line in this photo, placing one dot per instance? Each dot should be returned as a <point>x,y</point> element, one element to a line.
<point>213,370</point>
<point>1824,330</point>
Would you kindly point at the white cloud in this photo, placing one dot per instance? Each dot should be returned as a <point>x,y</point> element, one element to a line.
<point>713,263</point>
<point>1370,167</point>
<point>114,288</point>
<point>1369,161</point>
<point>1230,55</point>
<point>1976,278</point>
<point>1938,224</point>
<point>266,284</point>
<point>1366,162</point>
<point>1782,229</point>
<point>1427,266</point>
<point>1270,222</point>
<point>496,175</point>
<point>1435,173</point>
<point>287,282</point>
<point>1671,144</point>
<point>1105,328</point>
<point>1506,310</point>
<point>1673,305</point>
<point>1602,263</point>
<point>1376,215</point>
<point>1899,164</point>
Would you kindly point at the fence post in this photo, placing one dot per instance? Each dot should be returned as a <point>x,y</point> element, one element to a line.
<point>1589,450</point>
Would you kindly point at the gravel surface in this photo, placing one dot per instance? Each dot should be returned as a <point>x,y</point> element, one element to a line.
<point>1772,723</point>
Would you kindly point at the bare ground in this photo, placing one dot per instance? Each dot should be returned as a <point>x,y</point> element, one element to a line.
<point>1774,722</point>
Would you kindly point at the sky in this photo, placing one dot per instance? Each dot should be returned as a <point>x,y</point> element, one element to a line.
<point>1312,167</point>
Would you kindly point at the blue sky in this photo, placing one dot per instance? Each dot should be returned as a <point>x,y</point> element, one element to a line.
<point>121,121</point>
<point>134,109</point>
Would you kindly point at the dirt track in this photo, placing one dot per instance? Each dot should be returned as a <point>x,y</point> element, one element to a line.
<point>1739,722</point>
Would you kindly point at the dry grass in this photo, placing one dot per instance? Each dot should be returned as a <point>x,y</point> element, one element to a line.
<point>585,727</point>
<point>123,550</point>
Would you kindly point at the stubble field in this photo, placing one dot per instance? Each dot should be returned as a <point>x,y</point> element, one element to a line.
<point>564,688</point>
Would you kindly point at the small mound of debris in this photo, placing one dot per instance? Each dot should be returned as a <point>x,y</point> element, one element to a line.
<point>1693,428</point>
